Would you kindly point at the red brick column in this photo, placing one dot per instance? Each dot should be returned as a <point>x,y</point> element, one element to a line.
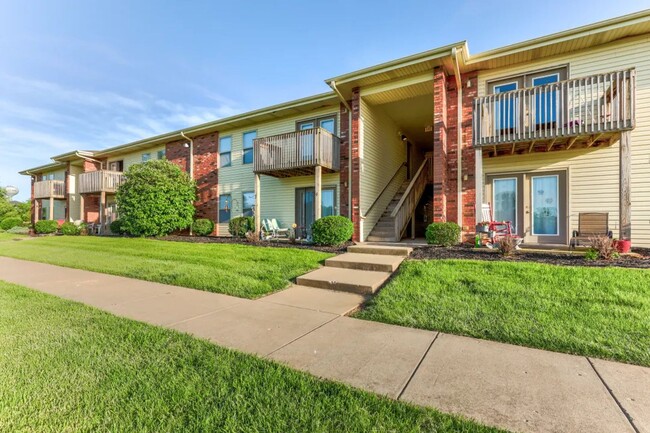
<point>91,202</point>
<point>206,171</point>
<point>440,145</point>
<point>470,91</point>
<point>356,166</point>
<point>67,192</point>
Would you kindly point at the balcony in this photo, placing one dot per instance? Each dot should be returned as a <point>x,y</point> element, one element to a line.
<point>100,181</point>
<point>570,114</point>
<point>49,189</point>
<point>297,153</point>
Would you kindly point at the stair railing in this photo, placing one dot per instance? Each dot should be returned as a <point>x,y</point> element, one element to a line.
<point>380,195</point>
<point>406,206</point>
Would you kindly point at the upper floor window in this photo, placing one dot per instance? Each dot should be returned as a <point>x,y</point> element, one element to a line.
<point>326,122</point>
<point>146,157</point>
<point>161,154</point>
<point>225,149</point>
<point>248,146</point>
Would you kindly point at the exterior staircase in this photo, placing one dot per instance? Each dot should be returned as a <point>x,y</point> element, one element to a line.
<point>363,269</point>
<point>384,230</point>
<point>393,222</point>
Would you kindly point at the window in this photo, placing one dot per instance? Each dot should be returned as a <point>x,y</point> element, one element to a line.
<point>249,202</point>
<point>225,147</point>
<point>161,154</point>
<point>224,208</point>
<point>326,122</point>
<point>146,157</point>
<point>248,146</point>
<point>116,166</point>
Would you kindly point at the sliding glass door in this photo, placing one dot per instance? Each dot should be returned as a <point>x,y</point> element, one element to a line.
<point>305,209</point>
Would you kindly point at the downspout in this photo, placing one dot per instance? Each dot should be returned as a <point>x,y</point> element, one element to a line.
<point>87,158</point>
<point>459,138</point>
<point>191,162</point>
<point>332,84</point>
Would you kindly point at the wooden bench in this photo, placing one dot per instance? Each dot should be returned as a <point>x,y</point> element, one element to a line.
<point>590,224</point>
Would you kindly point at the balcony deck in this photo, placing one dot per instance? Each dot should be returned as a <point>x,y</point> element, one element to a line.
<point>49,189</point>
<point>100,181</point>
<point>297,153</point>
<point>578,113</point>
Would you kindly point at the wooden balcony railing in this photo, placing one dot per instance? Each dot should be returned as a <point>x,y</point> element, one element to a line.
<point>593,106</point>
<point>49,188</point>
<point>100,181</point>
<point>296,153</point>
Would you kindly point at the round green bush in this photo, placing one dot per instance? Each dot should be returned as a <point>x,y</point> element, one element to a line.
<point>443,234</point>
<point>11,222</point>
<point>116,227</point>
<point>44,227</point>
<point>332,230</point>
<point>202,227</point>
<point>155,199</point>
<point>70,229</point>
<point>239,226</point>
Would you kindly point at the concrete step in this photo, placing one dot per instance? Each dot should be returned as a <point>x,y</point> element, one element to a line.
<point>346,280</point>
<point>380,249</point>
<point>365,262</point>
<point>381,238</point>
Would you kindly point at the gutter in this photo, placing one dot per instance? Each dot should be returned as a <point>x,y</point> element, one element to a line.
<point>87,158</point>
<point>459,138</point>
<point>332,84</point>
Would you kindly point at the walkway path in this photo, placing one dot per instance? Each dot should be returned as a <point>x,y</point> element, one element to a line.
<point>513,387</point>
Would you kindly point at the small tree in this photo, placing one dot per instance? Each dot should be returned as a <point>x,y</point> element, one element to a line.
<point>156,199</point>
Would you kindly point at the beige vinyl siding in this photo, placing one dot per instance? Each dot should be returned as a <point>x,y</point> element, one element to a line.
<point>381,153</point>
<point>58,174</point>
<point>593,175</point>
<point>136,157</point>
<point>75,199</point>
<point>278,195</point>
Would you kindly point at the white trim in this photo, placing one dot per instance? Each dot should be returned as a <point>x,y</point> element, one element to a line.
<point>516,199</point>
<point>532,205</point>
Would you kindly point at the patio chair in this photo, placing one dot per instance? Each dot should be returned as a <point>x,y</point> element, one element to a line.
<point>590,224</point>
<point>267,230</point>
<point>277,230</point>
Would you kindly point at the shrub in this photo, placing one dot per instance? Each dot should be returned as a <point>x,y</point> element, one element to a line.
<point>70,229</point>
<point>591,254</point>
<point>11,222</point>
<point>202,227</point>
<point>19,230</point>
<point>507,245</point>
<point>332,230</point>
<point>116,227</point>
<point>239,226</point>
<point>605,247</point>
<point>444,234</point>
<point>155,199</point>
<point>46,227</point>
<point>251,237</point>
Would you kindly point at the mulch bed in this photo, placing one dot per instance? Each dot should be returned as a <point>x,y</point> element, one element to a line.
<point>640,258</point>
<point>227,240</point>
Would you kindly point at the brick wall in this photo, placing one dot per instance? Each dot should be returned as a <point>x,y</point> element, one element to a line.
<point>445,151</point>
<point>206,171</point>
<point>91,208</point>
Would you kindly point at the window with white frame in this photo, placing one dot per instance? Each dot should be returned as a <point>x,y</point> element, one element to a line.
<point>225,151</point>
<point>248,146</point>
<point>249,203</point>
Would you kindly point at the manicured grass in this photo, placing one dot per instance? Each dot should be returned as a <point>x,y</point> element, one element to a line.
<point>600,312</point>
<point>239,270</point>
<point>67,367</point>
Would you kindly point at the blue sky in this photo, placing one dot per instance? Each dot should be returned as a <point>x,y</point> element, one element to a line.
<point>89,74</point>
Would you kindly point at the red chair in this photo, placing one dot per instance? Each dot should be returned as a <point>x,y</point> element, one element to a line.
<point>498,229</point>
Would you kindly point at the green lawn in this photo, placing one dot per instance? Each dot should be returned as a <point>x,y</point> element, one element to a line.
<point>240,270</point>
<point>600,312</point>
<point>67,367</point>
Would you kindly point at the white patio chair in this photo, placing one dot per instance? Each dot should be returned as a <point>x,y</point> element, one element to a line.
<point>279,231</point>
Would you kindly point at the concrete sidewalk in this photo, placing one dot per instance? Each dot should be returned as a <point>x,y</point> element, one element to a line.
<point>512,387</point>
